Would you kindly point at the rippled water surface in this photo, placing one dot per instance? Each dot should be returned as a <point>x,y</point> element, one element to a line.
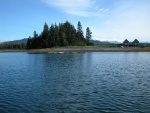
<point>70,83</point>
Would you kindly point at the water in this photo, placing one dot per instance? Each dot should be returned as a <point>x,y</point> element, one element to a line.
<point>75,83</point>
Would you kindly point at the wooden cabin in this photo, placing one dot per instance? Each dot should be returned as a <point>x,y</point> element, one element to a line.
<point>135,43</point>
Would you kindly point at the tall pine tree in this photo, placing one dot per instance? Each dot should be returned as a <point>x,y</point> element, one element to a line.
<point>79,30</point>
<point>88,34</point>
<point>45,36</point>
<point>80,36</point>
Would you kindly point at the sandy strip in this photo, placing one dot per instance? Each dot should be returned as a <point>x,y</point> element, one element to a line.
<point>83,49</point>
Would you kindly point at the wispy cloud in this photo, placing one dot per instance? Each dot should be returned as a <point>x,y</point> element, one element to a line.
<point>77,7</point>
<point>70,4</point>
<point>130,19</point>
<point>106,10</point>
<point>99,8</point>
<point>82,13</point>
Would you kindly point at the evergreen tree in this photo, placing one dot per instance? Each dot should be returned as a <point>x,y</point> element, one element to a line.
<point>45,36</point>
<point>35,35</point>
<point>62,35</point>
<point>35,40</point>
<point>72,40</point>
<point>80,32</point>
<point>70,33</point>
<point>56,34</point>
<point>52,41</point>
<point>79,28</point>
<point>88,34</point>
<point>29,43</point>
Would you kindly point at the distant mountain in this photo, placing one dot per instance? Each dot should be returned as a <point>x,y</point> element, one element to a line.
<point>104,42</point>
<point>1,41</point>
<point>99,42</point>
<point>16,41</point>
<point>93,41</point>
<point>145,42</point>
<point>115,42</point>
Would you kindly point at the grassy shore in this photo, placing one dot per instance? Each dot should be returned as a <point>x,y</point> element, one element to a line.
<point>84,49</point>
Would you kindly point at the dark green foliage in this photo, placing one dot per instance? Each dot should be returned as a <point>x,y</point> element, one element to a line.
<point>45,36</point>
<point>79,34</point>
<point>13,46</point>
<point>88,34</point>
<point>63,34</point>
<point>79,30</point>
<point>29,43</point>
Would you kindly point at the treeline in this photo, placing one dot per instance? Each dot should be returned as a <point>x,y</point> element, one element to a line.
<point>63,34</point>
<point>13,46</point>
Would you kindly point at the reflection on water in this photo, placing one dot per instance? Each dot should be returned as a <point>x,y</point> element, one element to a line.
<point>85,82</point>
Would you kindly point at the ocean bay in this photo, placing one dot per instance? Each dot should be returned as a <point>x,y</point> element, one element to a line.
<point>84,82</point>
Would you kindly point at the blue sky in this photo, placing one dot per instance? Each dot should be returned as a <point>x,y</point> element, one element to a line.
<point>107,19</point>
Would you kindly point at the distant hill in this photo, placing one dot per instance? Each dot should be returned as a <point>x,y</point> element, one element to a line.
<point>99,42</point>
<point>104,42</point>
<point>93,41</point>
<point>16,41</point>
<point>115,42</point>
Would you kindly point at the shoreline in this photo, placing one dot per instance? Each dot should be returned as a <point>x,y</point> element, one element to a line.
<point>83,49</point>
